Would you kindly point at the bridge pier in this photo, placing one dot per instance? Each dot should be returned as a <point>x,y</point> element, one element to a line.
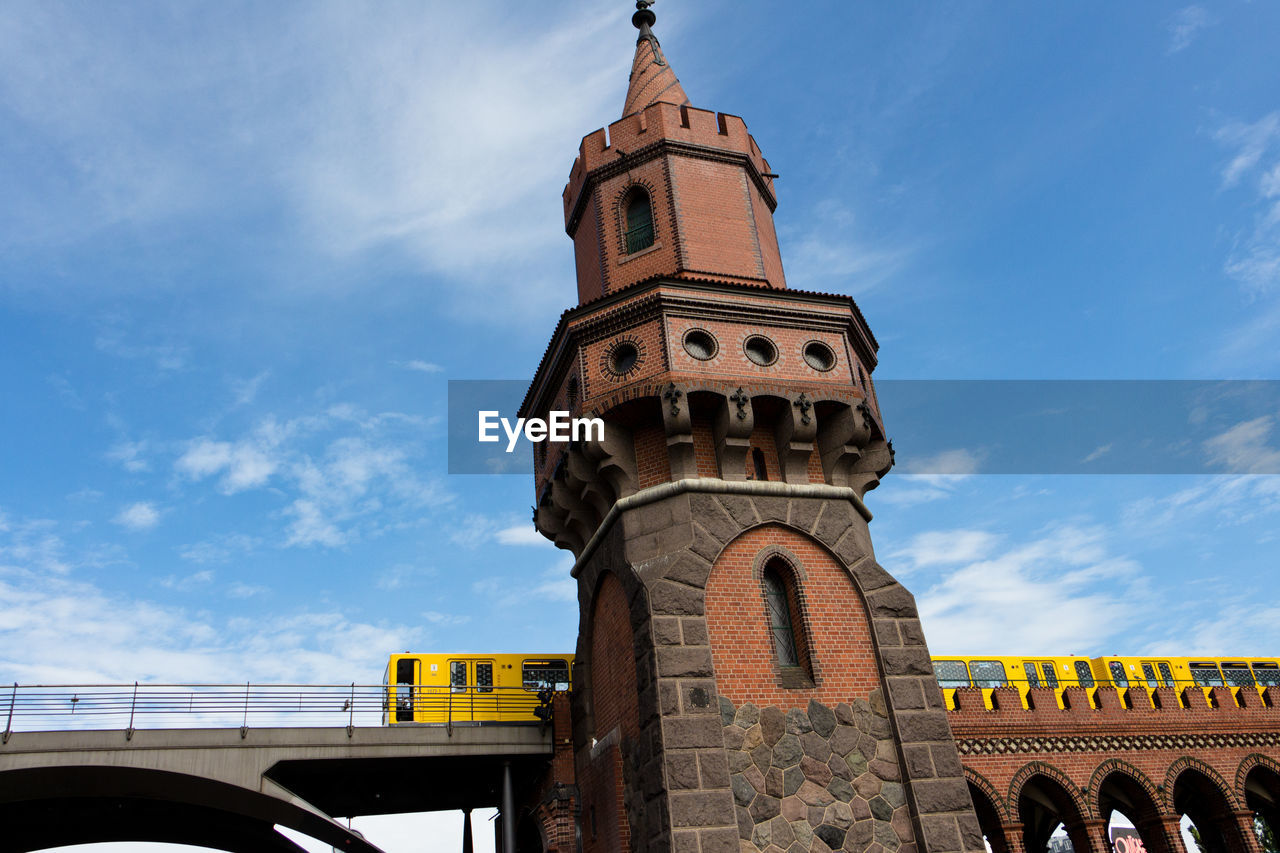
<point>508,810</point>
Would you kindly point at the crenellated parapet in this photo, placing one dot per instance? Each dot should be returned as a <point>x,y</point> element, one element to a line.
<point>706,192</point>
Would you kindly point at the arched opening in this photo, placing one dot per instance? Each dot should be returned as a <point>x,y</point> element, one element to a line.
<point>1262,796</point>
<point>1051,822</point>
<point>759,471</point>
<point>639,216</point>
<point>1131,816</point>
<point>1206,811</point>
<point>786,622</point>
<point>988,820</point>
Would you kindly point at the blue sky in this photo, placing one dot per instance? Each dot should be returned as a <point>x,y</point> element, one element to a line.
<point>244,246</point>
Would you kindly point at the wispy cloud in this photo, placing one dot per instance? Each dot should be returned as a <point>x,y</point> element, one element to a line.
<point>1244,448</point>
<point>130,456</point>
<point>188,582</point>
<point>142,515</point>
<point>1254,259</point>
<point>419,366</point>
<point>1068,590</point>
<point>947,547</point>
<point>1185,25</point>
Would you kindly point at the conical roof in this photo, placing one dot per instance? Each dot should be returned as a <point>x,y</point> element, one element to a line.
<point>652,80</point>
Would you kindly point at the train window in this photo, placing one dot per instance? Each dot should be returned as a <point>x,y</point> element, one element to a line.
<point>1033,677</point>
<point>1237,675</point>
<point>1268,674</point>
<point>1117,674</point>
<point>1206,674</point>
<point>457,676</point>
<point>950,674</point>
<point>1149,673</point>
<point>987,673</point>
<point>484,677</point>
<point>1083,674</point>
<point>1166,675</point>
<point>1050,677</point>
<point>537,674</point>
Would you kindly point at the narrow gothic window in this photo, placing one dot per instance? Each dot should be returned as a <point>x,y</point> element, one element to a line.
<point>785,622</point>
<point>639,222</point>
<point>757,465</point>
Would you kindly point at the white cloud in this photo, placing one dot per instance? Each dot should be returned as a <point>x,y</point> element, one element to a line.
<point>1064,592</point>
<point>1098,453</point>
<point>1254,259</point>
<point>947,547</point>
<point>958,462</point>
<point>32,545</point>
<point>189,582</point>
<point>344,473</point>
<point>1243,449</point>
<point>419,366</point>
<point>446,620</point>
<point>219,549</point>
<point>129,454</point>
<point>523,534</point>
<point>1231,500</point>
<point>1185,25</point>
<point>245,391</point>
<point>243,590</point>
<point>142,515</point>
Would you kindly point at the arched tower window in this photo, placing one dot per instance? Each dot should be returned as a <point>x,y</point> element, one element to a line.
<point>758,469</point>
<point>786,624</point>
<point>639,221</point>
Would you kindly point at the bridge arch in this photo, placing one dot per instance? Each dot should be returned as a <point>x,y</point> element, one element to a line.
<point>1119,786</point>
<point>1196,790</point>
<point>1258,786</point>
<point>51,806</point>
<point>1044,797</point>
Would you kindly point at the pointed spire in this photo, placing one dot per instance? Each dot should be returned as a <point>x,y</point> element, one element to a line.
<point>652,80</point>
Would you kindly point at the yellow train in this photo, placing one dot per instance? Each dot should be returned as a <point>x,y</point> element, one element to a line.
<point>992,671</point>
<point>472,689</point>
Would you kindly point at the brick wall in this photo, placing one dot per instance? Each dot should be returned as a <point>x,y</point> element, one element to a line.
<point>835,623</point>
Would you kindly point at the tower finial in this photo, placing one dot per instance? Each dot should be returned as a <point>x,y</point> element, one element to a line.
<point>644,18</point>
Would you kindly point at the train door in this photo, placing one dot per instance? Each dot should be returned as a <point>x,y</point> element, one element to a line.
<point>471,695</point>
<point>1157,673</point>
<point>408,675</point>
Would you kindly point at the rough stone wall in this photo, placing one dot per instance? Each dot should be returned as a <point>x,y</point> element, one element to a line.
<point>816,779</point>
<point>676,773</point>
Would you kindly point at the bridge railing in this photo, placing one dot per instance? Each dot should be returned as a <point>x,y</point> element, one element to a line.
<point>61,707</point>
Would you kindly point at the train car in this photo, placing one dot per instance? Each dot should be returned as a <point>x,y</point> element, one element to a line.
<point>471,689</point>
<point>1114,671</point>
<point>1153,671</point>
<point>991,671</point>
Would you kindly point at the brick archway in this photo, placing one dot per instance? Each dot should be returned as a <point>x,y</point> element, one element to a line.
<point>1041,796</point>
<point>1197,791</point>
<point>1258,786</point>
<point>1118,783</point>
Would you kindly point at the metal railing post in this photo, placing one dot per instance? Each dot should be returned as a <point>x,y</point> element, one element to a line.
<point>133,704</point>
<point>351,716</point>
<point>8,727</point>
<point>244,723</point>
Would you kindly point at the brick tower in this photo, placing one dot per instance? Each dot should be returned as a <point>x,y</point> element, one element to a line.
<point>749,678</point>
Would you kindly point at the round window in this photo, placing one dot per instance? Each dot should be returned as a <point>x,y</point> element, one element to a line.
<point>700,344</point>
<point>623,357</point>
<point>819,356</point>
<point>760,350</point>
